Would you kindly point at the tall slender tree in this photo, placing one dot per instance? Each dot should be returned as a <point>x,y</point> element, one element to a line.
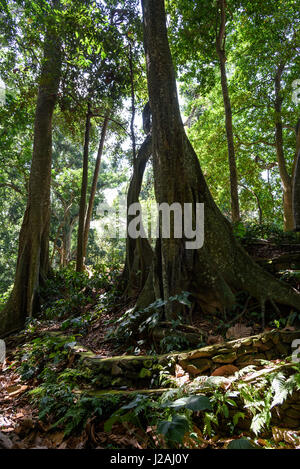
<point>33,257</point>
<point>296,181</point>
<point>94,184</point>
<point>84,187</point>
<point>221,51</point>
<point>286,179</point>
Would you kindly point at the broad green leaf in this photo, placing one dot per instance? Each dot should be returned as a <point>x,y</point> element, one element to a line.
<point>195,403</point>
<point>241,443</point>
<point>174,430</point>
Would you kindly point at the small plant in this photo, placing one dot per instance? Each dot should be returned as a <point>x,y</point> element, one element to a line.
<point>153,314</point>
<point>249,232</point>
<point>70,410</point>
<point>43,353</point>
<point>270,391</point>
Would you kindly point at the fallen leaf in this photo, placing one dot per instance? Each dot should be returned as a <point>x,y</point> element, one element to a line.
<point>15,390</point>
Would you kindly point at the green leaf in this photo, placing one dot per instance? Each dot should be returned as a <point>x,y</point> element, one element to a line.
<point>110,422</point>
<point>280,389</point>
<point>195,403</point>
<point>258,423</point>
<point>135,402</point>
<point>174,430</point>
<point>237,416</point>
<point>241,443</point>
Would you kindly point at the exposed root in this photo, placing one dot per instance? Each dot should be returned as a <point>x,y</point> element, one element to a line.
<point>239,316</point>
<point>277,310</point>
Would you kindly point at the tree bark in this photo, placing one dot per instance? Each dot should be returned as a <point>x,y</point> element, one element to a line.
<point>138,251</point>
<point>296,181</point>
<point>214,273</point>
<point>67,239</point>
<point>286,179</point>
<point>84,184</point>
<point>260,213</point>
<point>33,254</point>
<point>220,47</point>
<point>94,185</point>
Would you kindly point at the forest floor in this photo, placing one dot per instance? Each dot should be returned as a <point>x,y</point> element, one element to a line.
<point>40,381</point>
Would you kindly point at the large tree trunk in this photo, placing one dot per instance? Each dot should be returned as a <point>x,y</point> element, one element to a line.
<point>84,185</point>
<point>296,181</point>
<point>286,180</point>
<point>220,47</point>
<point>138,251</point>
<point>214,273</point>
<point>33,255</point>
<point>94,185</point>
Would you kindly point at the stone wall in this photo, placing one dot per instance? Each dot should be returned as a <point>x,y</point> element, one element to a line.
<point>239,353</point>
<point>143,371</point>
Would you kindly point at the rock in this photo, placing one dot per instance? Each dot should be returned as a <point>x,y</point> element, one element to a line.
<point>275,338</point>
<point>202,364</point>
<point>116,370</point>
<point>265,338</point>
<point>264,346</point>
<point>289,336</point>
<point>270,354</point>
<point>192,369</point>
<point>201,353</point>
<point>247,342</point>
<point>289,422</point>
<point>197,366</point>
<point>293,413</point>
<point>225,370</point>
<point>225,358</point>
<point>283,349</point>
<point>246,351</point>
<point>295,397</point>
<point>248,360</point>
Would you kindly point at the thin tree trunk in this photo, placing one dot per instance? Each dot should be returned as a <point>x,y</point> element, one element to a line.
<point>84,184</point>
<point>220,47</point>
<point>286,179</point>
<point>215,272</point>
<point>260,214</point>
<point>296,181</point>
<point>94,185</point>
<point>67,239</point>
<point>132,104</point>
<point>55,241</point>
<point>33,254</point>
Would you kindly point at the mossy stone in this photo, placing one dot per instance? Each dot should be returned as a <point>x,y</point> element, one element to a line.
<point>225,358</point>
